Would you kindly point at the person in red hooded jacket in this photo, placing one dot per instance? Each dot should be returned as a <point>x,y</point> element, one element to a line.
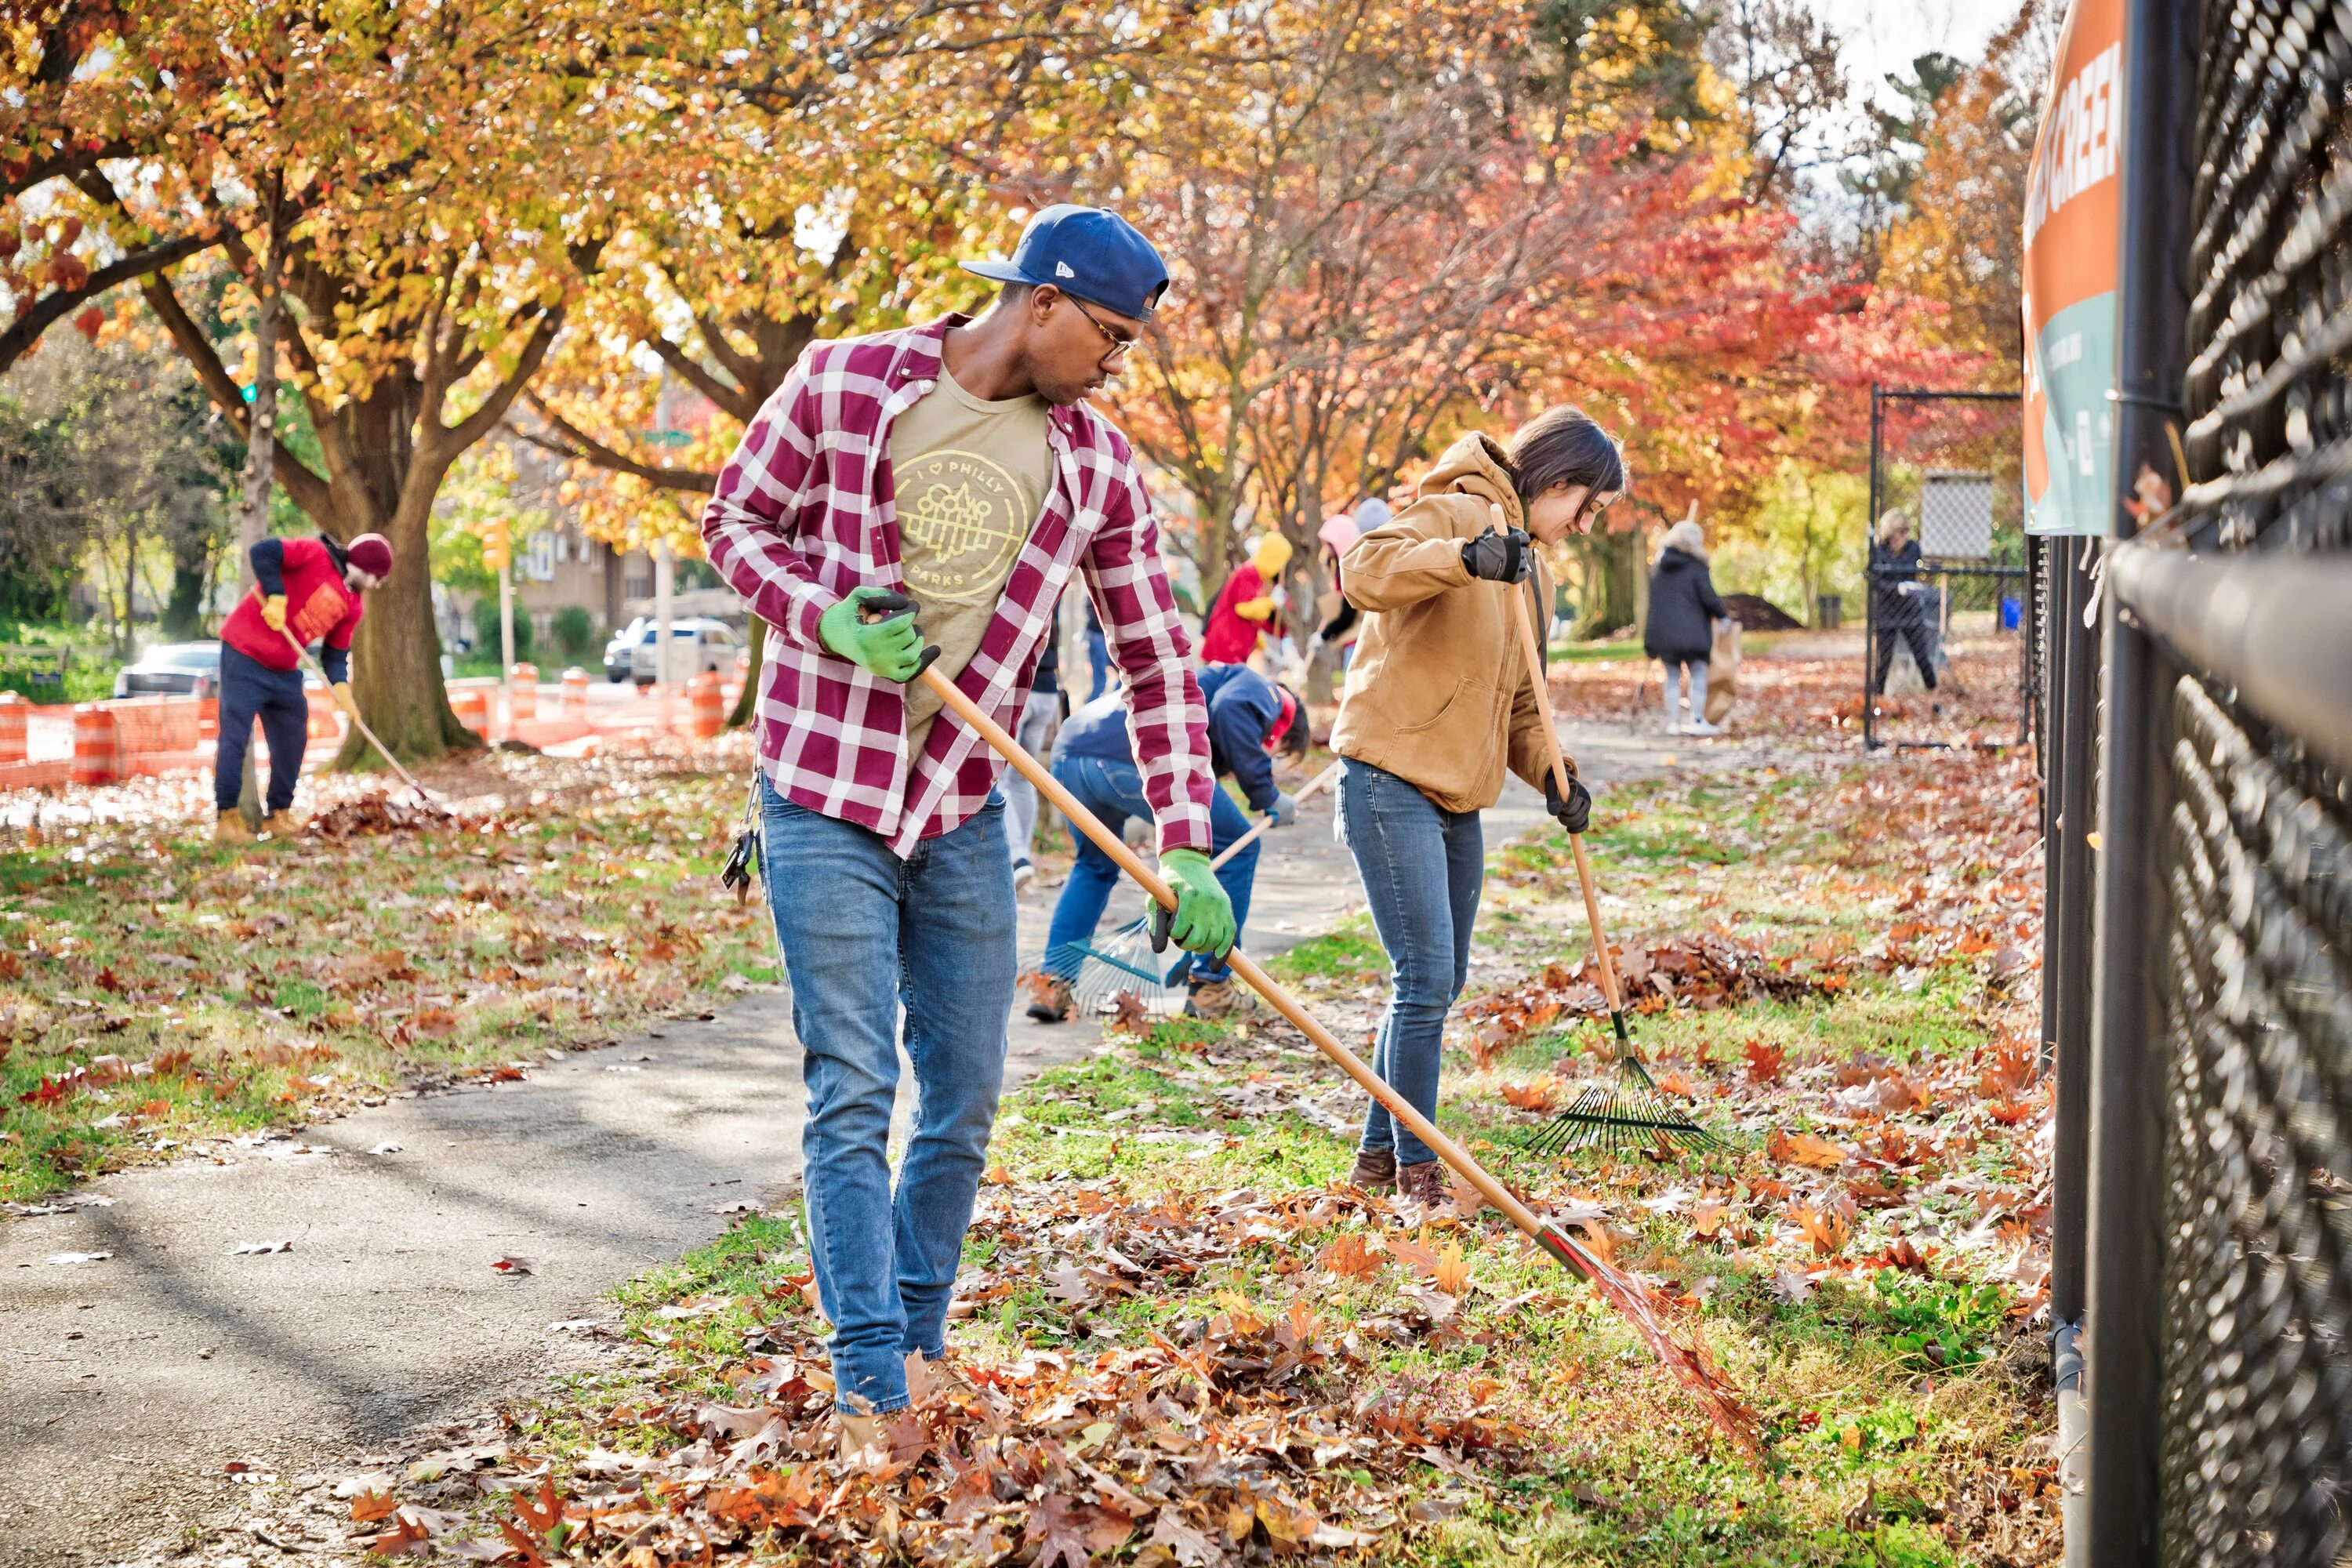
<point>306,591</point>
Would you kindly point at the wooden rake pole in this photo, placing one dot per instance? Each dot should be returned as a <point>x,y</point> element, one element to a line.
<point>1623,1294</point>
<point>381,749</point>
<point>1534,651</point>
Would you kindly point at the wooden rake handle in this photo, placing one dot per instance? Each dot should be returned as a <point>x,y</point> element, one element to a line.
<point>1560,1246</point>
<point>1534,651</point>
<point>361,725</point>
<point>1318,781</point>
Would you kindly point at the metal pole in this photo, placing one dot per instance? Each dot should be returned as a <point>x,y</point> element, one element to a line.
<point>2124,1308</point>
<point>1869,598</point>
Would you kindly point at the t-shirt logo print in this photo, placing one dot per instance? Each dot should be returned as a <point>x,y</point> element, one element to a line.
<point>965,517</point>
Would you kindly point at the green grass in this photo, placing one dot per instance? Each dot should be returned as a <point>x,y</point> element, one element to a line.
<point>1897,1428</point>
<point>155,991</point>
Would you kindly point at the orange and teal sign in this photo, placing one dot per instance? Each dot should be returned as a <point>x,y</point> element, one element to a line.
<point>2072,237</point>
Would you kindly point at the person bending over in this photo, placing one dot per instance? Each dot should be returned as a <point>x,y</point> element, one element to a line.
<point>1249,718</point>
<point>951,479</point>
<point>1438,703</point>
<point>308,589</point>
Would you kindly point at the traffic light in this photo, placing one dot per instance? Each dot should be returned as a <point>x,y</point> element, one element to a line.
<point>498,546</point>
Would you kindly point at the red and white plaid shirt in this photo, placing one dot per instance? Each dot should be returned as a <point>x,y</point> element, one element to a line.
<point>806,510</point>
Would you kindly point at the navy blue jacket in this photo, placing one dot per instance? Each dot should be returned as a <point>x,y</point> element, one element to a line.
<point>1243,705</point>
<point>1684,609</point>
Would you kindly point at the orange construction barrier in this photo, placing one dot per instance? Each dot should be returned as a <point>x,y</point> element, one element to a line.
<point>155,726</point>
<point>208,720</point>
<point>322,725</point>
<point>522,694</point>
<point>96,757</point>
<point>473,709</point>
<point>14,709</point>
<point>575,693</point>
<point>709,712</point>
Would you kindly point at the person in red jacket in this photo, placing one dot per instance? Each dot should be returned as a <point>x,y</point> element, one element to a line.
<point>305,590</point>
<point>1244,608</point>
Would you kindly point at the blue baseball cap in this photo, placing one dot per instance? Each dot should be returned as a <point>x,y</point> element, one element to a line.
<point>1090,252</point>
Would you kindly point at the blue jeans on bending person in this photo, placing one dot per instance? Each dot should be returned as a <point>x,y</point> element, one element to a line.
<point>1422,866</point>
<point>250,690</point>
<point>1114,791</point>
<point>865,934</point>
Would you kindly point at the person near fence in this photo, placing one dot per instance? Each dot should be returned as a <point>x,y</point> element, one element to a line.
<point>1039,716</point>
<point>1439,702</point>
<point>1250,717</point>
<point>942,483</point>
<point>1680,634</point>
<point>305,590</point>
<point>1898,606</point>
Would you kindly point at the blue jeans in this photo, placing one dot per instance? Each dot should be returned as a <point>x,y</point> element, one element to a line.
<point>1422,867</point>
<point>1114,791</point>
<point>251,690</point>
<point>1098,662</point>
<point>865,933</point>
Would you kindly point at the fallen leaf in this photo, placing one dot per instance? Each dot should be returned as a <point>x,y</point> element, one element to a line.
<point>255,1249</point>
<point>1348,1259</point>
<point>1805,1149</point>
<point>515,1266</point>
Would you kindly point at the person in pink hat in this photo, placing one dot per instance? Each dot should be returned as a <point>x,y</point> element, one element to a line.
<point>305,590</point>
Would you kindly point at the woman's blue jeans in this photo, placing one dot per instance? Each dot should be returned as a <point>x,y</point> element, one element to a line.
<point>863,934</point>
<point>1114,791</point>
<point>1422,866</point>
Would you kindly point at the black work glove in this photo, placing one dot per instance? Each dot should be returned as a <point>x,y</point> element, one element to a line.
<point>1575,813</point>
<point>1499,557</point>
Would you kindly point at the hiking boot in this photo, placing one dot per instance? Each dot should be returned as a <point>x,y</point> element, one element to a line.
<point>1214,999</point>
<point>281,824</point>
<point>229,828</point>
<point>1052,1001</point>
<point>1424,1183</point>
<point>1375,1171</point>
<point>1024,874</point>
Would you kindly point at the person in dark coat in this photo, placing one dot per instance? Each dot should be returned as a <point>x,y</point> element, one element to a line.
<point>1898,606</point>
<point>1683,608</point>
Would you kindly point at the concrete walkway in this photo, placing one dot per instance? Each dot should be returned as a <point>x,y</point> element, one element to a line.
<point>135,1380</point>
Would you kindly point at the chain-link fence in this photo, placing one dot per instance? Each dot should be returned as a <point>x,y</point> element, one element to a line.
<point>2219,1213</point>
<point>1945,661</point>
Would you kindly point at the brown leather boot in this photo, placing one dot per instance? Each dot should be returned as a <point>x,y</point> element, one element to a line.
<point>1051,1000</point>
<point>1424,1183</point>
<point>1374,1171</point>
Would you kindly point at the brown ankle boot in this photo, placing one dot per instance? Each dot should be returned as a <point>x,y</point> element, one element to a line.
<point>1375,1171</point>
<point>1424,1183</point>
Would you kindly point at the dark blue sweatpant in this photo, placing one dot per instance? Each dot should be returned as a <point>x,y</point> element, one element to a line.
<point>251,690</point>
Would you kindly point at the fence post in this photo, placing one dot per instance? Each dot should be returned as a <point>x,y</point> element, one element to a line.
<point>1869,598</point>
<point>2124,1309</point>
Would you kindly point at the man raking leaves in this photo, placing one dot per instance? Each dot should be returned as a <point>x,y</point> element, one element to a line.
<point>941,483</point>
<point>305,590</point>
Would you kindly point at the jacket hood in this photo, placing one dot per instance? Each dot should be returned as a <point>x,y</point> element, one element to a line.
<point>1474,466</point>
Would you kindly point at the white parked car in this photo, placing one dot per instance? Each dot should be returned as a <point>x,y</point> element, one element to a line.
<point>696,644</point>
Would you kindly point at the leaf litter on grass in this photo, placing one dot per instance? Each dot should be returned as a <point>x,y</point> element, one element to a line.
<point>157,991</point>
<point>1207,1352</point>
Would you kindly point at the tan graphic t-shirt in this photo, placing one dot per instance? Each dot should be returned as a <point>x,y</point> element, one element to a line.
<point>971,479</point>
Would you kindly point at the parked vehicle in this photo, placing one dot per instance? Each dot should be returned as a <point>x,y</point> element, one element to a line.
<point>617,652</point>
<point>696,643</point>
<point>172,669</point>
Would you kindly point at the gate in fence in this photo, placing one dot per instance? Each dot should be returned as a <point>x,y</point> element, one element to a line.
<point>2212,1209</point>
<point>1947,657</point>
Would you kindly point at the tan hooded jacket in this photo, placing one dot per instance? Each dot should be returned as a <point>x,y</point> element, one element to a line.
<point>1439,693</point>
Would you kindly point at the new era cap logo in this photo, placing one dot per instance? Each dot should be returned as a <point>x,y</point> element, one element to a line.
<point>1061,269</point>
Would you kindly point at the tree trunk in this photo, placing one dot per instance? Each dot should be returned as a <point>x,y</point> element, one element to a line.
<point>749,700</point>
<point>396,655</point>
<point>1614,563</point>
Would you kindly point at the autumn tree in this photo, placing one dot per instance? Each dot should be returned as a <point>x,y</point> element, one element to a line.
<point>434,177</point>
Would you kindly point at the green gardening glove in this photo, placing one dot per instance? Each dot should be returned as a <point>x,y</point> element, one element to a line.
<point>890,647</point>
<point>1204,922</point>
